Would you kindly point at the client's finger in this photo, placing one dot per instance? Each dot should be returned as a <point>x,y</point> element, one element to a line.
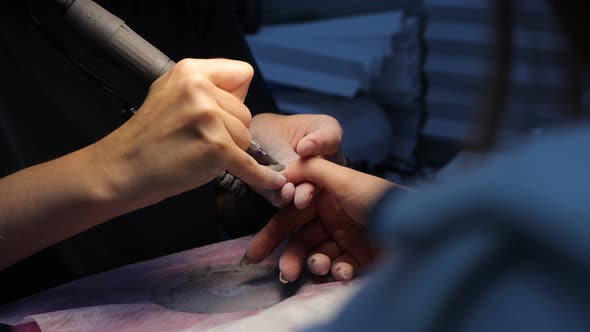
<point>319,262</point>
<point>307,238</point>
<point>278,228</point>
<point>287,193</point>
<point>279,198</point>
<point>324,138</point>
<point>321,172</point>
<point>357,244</point>
<point>345,267</point>
<point>356,192</point>
<point>304,194</point>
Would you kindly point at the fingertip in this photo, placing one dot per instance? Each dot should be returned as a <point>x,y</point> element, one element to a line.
<point>246,261</point>
<point>279,181</point>
<point>303,195</point>
<point>323,141</point>
<point>254,252</point>
<point>303,203</point>
<point>283,197</point>
<point>342,272</point>
<point>306,149</point>
<point>265,178</point>
<point>344,267</point>
<point>245,167</point>
<point>287,276</point>
<point>282,278</point>
<point>290,268</point>
<point>247,70</point>
<point>288,192</point>
<point>319,264</point>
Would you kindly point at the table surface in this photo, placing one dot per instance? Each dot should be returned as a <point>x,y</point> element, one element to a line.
<point>202,289</point>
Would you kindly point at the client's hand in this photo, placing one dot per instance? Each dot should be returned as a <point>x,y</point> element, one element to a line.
<point>287,138</point>
<point>330,232</point>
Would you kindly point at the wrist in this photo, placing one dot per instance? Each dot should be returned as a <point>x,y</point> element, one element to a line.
<point>106,181</point>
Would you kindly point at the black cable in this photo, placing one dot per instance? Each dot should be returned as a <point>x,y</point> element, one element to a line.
<point>65,4</point>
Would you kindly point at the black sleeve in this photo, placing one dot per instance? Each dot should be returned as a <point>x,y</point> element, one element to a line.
<point>250,14</point>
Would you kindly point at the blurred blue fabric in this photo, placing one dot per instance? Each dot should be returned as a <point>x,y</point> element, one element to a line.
<point>502,247</point>
<point>459,35</point>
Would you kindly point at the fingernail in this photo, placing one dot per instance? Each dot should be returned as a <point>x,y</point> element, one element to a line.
<point>246,261</point>
<point>282,280</point>
<point>312,263</point>
<point>341,273</point>
<point>316,266</point>
<point>285,195</point>
<point>307,149</point>
<point>280,180</point>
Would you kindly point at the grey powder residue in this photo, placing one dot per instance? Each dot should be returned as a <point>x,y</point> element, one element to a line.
<point>224,288</point>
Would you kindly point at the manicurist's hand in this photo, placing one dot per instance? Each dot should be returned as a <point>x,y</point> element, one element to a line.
<point>192,127</point>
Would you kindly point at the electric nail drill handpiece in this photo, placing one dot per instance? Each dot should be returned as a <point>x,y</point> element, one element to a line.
<point>143,60</point>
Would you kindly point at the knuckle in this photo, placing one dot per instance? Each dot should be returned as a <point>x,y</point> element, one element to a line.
<point>215,145</point>
<point>195,82</point>
<point>206,115</point>
<point>194,90</point>
<point>219,145</point>
<point>185,66</point>
<point>200,112</point>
